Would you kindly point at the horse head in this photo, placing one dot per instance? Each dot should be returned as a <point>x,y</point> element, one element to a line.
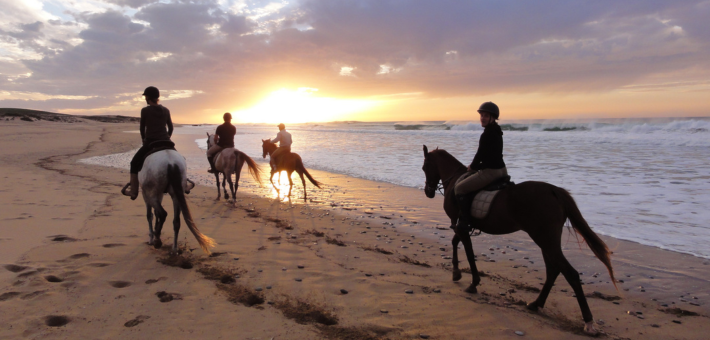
<point>210,140</point>
<point>431,174</point>
<point>267,147</point>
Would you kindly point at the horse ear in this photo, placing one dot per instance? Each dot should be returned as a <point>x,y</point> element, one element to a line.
<point>208,134</point>
<point>437,148</point>
<point>426,150</point>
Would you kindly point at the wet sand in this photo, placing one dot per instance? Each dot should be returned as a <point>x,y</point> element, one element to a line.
<point>76,265</point>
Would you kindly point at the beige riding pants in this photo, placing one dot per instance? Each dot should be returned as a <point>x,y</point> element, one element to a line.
<point>214,150</point>
<point>278,153</point>
<point>478,180</point>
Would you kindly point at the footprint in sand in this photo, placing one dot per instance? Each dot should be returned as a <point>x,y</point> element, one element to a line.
<point>15,268</point>
<point>56,320</point>
<point>167,297</point>
<point>75,257</point>
<point>119,284</point>
<point>8,296</point>
<point>137,321</point>
<point>62,238</point>
<point>26,274</point>
<point>113,245</point>
<point>52,278</point>
<point>151,281</point>
<point>32,295</point>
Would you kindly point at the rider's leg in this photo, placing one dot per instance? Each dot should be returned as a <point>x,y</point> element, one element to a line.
<point>275,156</point>
<point>210,157</point>
<point>136,166</point>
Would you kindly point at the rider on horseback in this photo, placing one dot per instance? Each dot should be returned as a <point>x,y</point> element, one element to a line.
<point>224,138</point>
<point>154,119</point>
<point>486,166</point>
<point>284,139</point>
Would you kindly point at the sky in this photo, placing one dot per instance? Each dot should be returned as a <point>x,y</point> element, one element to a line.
<point>367,60</point>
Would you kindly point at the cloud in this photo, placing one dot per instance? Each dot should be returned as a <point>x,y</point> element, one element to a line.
<point>235,52</point>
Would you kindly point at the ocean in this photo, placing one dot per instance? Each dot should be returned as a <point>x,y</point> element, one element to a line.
<point>642,180</point>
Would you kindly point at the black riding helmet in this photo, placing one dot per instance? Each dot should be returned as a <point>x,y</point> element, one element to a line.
<point>151,92</point>
<point>490,108</point>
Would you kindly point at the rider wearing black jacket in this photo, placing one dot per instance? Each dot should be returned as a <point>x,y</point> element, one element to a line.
<point>486,167</point>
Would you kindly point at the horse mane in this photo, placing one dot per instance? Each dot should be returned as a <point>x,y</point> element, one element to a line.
<point>445,155</point>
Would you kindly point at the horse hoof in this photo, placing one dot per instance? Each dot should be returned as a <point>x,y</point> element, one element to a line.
<point>157,244</point>
<point>532,306</point>
<point>471,289</point>
<point>457,275</point>
<point>590,329</point>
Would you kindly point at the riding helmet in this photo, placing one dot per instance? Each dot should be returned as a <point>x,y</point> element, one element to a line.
<point>490,108</point>
<point>227,116</point>
<point>151,92</point>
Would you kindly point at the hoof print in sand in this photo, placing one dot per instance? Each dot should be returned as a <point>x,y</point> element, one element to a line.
<point>56,320</point>
<point>52,278</point>
<point>99,264</point>
<point>137,321</point>
<point>75,257</point>
<point>151,281</point>
<point>8,296</point>
<point>62,238</point>
<point>119,284</point>
<point>32,295</point>
<point>167,297</point>
<point>113,245</point>
<point>15,268</point>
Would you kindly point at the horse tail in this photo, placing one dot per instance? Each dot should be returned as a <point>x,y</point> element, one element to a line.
<point>299,164</point>
<point>175,180</point>
<point>254,168</point>
<point>596,244</point>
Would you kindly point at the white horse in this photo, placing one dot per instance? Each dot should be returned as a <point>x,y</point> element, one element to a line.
<point>230,161</point>
<point>165,172</point>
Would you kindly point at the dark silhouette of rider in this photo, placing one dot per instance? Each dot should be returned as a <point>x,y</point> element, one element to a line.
<point>224,138</point>
<point>284,139</point>
<point>156,125</point>
<point>486,167</point>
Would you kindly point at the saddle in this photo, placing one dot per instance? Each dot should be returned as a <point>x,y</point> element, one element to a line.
<point>482,202</point>
<point>159,145</point>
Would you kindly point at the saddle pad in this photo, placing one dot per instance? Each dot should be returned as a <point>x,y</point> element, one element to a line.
<point>482,203</point>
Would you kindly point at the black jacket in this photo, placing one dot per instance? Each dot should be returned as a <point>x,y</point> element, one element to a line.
<point>156,123</point>
<point>490,149</point>
<point>226,134</point>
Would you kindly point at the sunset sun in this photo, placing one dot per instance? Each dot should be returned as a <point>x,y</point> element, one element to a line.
<point>301,106</point>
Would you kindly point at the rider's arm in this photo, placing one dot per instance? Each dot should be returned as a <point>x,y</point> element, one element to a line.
<point>142,126</point>
<point>278,138</point>
<point>170,124</point>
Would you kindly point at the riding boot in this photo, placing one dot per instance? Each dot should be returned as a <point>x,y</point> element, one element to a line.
<point>211,169</point>
<point>134,186</point>
<point>465,202</point>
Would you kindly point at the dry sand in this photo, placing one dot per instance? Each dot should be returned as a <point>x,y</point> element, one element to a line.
<point>76,265</point>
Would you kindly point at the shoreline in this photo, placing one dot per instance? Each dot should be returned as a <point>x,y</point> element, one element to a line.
<point>108,218</point>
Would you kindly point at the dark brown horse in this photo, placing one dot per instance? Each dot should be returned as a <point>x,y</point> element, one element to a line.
<point>290,162</point>
<point>540,209</point>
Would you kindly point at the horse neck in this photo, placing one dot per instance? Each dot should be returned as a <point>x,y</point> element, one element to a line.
<point>448,167</point>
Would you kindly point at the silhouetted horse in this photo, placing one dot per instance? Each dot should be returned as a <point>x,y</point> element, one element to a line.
<point>230,161</point>
<point>540,209</point>
<point>290,162</point>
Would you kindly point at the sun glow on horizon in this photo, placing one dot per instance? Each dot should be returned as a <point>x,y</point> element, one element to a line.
<point>301,106</point>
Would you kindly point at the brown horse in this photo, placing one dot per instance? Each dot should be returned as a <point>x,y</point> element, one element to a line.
<point>540,209</point>
<point>290,162</point>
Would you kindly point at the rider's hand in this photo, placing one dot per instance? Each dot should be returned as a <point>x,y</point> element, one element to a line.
<point>468,168</point>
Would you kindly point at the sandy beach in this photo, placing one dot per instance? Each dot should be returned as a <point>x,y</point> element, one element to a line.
<point>75,263</point>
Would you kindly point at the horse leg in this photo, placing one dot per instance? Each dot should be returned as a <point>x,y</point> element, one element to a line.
<point>176,223</point>
<point>476,279</point>
<point>572,277</point>
<point>224,185</point>
<point>149,215</point>
<point>290,183</point>
<point>552,273</point>
<point>272,183</point>
<point>219,193</point>
<point>455,261</point>
<point>231,186</point>
<point>237,175</point>
<point>305,195</point>
<point>160,216</point>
